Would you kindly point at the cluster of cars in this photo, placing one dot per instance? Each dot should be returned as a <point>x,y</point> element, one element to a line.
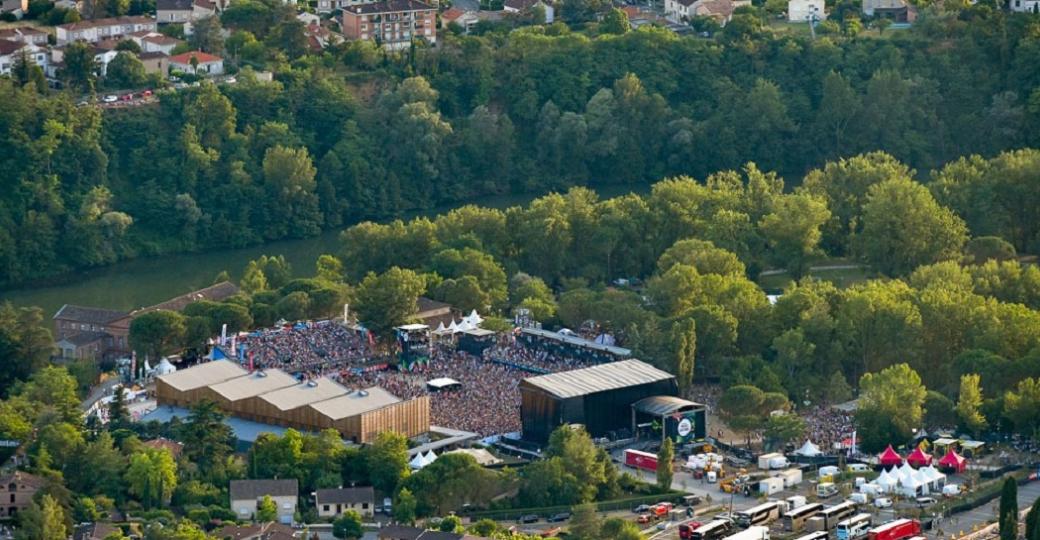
<point>534,518</point>
<point>129,96</point>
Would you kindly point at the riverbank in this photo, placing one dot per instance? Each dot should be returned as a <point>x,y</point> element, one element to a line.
<point>142,282</point>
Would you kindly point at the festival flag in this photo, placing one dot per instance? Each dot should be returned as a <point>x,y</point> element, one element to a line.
<point>223,335</point>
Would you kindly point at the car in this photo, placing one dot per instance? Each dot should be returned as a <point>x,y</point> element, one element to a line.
<point>231,80</point>
<point>111,98</point>
<point>83,103</point>
<point>127,97</point>
<point>667,505</point>
<point>663,525</point>
<point>925,501</point>
<point>562,516</point>
<point>529,518</point>
<point>644,518</point>
<point>146,93</point>
<point>641,509</point>
<point>883,502</point>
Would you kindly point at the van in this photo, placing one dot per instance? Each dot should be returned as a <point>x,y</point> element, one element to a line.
<point>795,501</point>
<point>712,477</point>
<point>857,468</point>
<point>859,498</point>
<point>826,489</point>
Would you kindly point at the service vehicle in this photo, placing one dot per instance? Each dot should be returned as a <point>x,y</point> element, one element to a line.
<point>855,527</point>
<point>895,530</point>
<point>760,515</point>
<point>839,512</point>
<point>713,530</point>
<point>641,460</point>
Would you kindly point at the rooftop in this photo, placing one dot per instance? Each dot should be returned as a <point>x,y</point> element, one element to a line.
<point>244,430</point>
<point>254,384</point>
<point>215,292</point>
<point>207,374</point>
<point>355,403</point>
<point>661,405</point>
<point>84,338</point>
<point>601,378</point>
<point>88,314</point>
<point>350,495</point>
<point>390,6</point>
<point>255,489</point>
<point>577,341</point>
<point>305,393</point>
<point>111,21</point>
<point>173,5</point>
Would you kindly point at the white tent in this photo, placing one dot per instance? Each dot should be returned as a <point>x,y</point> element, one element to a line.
<point>474,318</point>
<point>164,368</point>
<point>886,482</point>
<point>454,326</point>
<point>808,449</point>
<point>429,458</point>
<point>906,471</point>
<point>934,477</point>
<point>417,462</point>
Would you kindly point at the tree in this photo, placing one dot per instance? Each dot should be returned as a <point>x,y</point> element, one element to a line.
<point>118,415</point>
<point>388,299</point>
<point>891,406</point>
<point>1022,406</point>
<point>157,333</point>
<point>289,178</point>
<point>939,410</point>
<point>968,402</point>
<point>615,22</point>
<point>207,35</point>
<point>43,520</point>
<point>838,389</point>
<point>348,525</point>
<point>793,231</point>
<point>665,459</point>
<point>585,522</point>
<point>329,268</point>
<point>450,524</point>
<point>404,507</point>
<point>207,439</point>
<point>26,344</point>
<point>80,66</point>
<point>684,347</point>
<point>54,387</point>
<point>267,510</point>
<point>253,280</point>
<point>387,460</point>
<point>125,71</point>
<point>904,227</point>
<point>26,72</point>
<point>784,428</point>
<point>152,476</point>
<point>1007,517</point>
<point>1033,521</point>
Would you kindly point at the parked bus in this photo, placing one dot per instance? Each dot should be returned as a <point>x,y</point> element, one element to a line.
<point>795,519</point>
<point>751,533</point>
<point>759,515</point>
<point>832,515</point>
<point>818,535</point>
<point>713,530</point>
<point>855,527</point>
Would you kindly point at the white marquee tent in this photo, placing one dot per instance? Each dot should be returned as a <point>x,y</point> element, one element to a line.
<point>808,449</point>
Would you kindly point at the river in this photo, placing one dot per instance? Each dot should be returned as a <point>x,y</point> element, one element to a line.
<point>143,282</point>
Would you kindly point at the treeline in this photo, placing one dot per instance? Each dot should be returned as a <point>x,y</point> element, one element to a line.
<point>531,110</point>
<point>946,305</point>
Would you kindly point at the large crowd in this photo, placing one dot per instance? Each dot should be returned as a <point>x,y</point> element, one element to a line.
<point>827,426</point>
<point>487,402</point>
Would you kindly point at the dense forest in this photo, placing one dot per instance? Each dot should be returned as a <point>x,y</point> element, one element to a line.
<point>355,134</point>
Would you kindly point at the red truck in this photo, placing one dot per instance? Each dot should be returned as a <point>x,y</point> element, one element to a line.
<point>641,460</point>
<point>895,530</point>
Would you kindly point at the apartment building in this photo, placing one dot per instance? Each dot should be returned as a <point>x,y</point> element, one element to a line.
<point>391,23</point>
<point>101,29</point>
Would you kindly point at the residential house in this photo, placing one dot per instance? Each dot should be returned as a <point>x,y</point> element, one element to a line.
<point>173,11</point>
<point>402,532</point>
<point>391,23</point>
<point>1025,6</point>
<point>18,489</point>
<point>898,10</point>
<point>523,6</point>
<point>99,29</point>
<point>71,319</point>
<point>204,63</point>
<point>720,10</point>
<point>258,531</point>
<point>25,34</point>
<point>11,51</point>
<point>465,19</point>
<point>150,41</point>
<point>173,447</point>
<point>319,37</point>
<point>155,62</point>
<point>247,494</point>
<point>18,8</point>
<point>805,10</point>
<point>308,18</point>
<point>333,502</point>
<point>95,531</point>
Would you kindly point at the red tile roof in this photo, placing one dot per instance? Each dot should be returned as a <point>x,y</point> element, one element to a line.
<point>203,58</point>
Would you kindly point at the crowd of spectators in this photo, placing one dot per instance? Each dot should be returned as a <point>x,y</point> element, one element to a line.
<point>826,426</point>
<point>311,348</point>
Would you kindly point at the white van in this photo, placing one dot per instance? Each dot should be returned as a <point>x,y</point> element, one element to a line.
<point>859,498</point>
<point>857,468</point>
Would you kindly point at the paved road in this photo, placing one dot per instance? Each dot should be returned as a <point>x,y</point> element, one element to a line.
<point>826,268</point>
<point>986,513</point>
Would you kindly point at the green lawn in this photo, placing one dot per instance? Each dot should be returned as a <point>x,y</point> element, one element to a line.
<point>841,277</point>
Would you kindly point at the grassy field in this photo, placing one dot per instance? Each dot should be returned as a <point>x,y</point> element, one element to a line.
<point>841,277</point>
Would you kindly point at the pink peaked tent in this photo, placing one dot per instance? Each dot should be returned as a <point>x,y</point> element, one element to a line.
<point>918,458</point>
<point>890,458</point>
<point>953,461</point>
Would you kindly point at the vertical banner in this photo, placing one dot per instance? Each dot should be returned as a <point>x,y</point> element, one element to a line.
<point>223,335</point>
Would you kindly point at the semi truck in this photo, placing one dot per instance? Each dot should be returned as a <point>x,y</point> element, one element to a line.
<point>641,460</point>
<point>895,530</point>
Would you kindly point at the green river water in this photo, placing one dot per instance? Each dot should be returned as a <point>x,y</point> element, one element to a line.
<point>143,282</point>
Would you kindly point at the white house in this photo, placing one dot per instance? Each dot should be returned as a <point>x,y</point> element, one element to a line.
<point>247,494</point>
<point>1024,6</point>
<point>100,29</point>
<point>333,502</point>
<point>25,34</point>
<point>720,10</point>
<point>804,10</point>
<point>521,6</point>
<point>173,11</point>
<point>151,42</point>
<point>205,64</point>
<point>10,51</point>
